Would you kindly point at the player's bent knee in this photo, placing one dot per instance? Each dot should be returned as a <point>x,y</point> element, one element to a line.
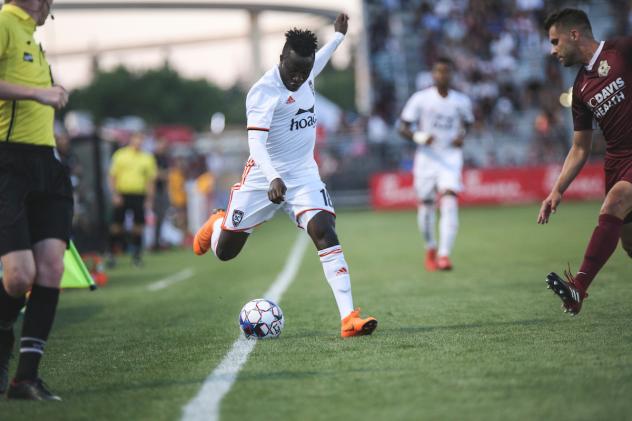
<point>225,254</point>
<point>324,237</point>
<point>230,244</point>
<point>50,272</point>
<point>617,203</point>
<point>18,281</point>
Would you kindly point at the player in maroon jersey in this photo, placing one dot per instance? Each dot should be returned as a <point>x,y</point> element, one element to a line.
<point>602,92</point>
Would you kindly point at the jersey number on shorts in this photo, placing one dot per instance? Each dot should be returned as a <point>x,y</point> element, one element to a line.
<point>326,198</point>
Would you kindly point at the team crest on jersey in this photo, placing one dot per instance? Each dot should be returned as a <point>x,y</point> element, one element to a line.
<point>237,217</point>
<point>27,57</point>
<point>290,100</point>
<point>604,68</point>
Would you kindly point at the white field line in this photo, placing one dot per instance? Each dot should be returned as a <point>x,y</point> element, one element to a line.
<point>206,405</point>
<point>183,275</point>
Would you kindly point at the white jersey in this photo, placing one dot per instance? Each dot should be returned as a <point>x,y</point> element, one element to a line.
<point>438,166</point>
<point>442,117</point>
<point>290,120</point>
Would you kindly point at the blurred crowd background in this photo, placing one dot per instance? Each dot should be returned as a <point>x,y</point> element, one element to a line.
<point>520,96</point>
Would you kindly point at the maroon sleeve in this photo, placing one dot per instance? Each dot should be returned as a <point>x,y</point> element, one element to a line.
<point>624,46</point>
<point>582,116</point>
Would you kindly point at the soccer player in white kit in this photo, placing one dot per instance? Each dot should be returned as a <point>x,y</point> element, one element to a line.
<point>281,172</point>
<point>437,119</point>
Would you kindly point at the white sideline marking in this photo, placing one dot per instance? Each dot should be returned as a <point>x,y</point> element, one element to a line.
<point>183,275</point>
<point>205,406</point>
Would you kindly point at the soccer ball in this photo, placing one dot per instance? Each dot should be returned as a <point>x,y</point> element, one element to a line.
<point>261,319</point>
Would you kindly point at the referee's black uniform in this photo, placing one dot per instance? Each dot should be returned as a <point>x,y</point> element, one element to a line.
<point>36,201</point>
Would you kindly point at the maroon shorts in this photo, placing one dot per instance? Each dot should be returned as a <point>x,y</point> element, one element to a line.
<point>618,170</point>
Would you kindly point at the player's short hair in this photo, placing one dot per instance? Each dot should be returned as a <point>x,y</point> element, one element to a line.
<point>567,19</point>
<point>302,41</point>
<point>444,60</point>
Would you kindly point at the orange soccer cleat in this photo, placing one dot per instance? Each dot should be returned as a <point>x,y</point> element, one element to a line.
<point>202,239</point>
<point>431,260</point>
<point>353,325</point>
<point>444,263</point>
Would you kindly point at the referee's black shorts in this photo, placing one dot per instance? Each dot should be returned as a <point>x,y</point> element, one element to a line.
<point>36,200</point>
<point>131,202</point>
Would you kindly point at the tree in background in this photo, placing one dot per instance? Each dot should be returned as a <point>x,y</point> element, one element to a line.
<point>159,96</point>
<point>338,86</point>
<point>162,96</point>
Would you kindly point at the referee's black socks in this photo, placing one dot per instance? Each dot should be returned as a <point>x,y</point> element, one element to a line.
<point>9,309</point>
<point>38,321</point>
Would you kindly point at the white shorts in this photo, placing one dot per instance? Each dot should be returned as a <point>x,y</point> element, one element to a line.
<point>249,207</point>
<point>437,174</point>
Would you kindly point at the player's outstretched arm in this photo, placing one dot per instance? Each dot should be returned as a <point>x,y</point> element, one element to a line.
<point>324,54</point>
<point>341,23</point>
<point>575,160</point>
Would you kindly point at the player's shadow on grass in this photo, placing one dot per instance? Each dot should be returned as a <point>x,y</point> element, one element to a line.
<point>135,386</point>
<point>77,314</point>
<point>280,375</point>
<point>479,325</point>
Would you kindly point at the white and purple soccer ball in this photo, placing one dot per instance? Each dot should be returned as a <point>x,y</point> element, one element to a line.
<point>261,319</point>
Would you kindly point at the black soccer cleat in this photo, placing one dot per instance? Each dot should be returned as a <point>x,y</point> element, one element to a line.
<point>31,390</point>
<point>571,296</point>
<point>6,347</point>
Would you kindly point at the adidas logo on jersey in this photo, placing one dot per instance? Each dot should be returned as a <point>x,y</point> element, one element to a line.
<point>309,121</point>
<point>290,100</point>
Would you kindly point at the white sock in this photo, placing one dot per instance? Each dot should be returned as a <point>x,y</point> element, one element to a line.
<point>449,224</point>
<point>426,219</point>
<point>217,230</point>
<point>337,274</point>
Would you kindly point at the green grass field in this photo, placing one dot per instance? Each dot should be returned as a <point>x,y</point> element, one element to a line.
<point>486,341</point>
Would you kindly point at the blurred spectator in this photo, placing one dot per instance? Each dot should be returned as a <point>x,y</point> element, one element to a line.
<point>161,201</point>
<point>177,192</point>
<point>497,48</point>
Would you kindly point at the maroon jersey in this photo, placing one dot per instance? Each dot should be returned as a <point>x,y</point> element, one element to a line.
<point>605,93</point>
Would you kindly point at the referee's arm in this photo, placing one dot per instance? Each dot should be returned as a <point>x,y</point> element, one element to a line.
<point>150,189</point>
<point>55,96</point>
<point>117,200</point>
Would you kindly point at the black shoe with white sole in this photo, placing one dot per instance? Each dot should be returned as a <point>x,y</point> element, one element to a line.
<point>571,296</point>
<point>31,390</point>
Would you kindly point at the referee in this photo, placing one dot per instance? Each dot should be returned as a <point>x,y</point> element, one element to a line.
<point>132,183</point>
<point>35,196</point>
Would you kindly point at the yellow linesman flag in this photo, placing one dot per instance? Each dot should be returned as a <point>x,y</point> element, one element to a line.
<point>76,275</point>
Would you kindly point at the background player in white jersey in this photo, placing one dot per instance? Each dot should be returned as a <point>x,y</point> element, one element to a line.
<point>281,172</point>
<point>437,119</point>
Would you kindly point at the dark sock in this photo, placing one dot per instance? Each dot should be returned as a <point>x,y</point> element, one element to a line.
<point>137,244</point>
<point>38,321</point>
<point>602,244</point>
<point>9,308</point>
